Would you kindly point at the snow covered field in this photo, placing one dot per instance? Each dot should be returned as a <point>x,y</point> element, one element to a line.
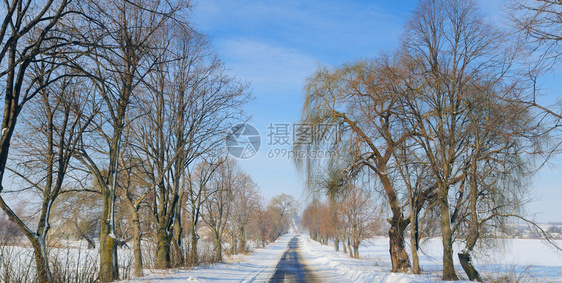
<point>524,260</point>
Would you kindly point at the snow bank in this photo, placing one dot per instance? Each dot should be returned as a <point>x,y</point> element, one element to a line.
<point>524,259</point>
<point>258,266</point>
<point>322,259</point>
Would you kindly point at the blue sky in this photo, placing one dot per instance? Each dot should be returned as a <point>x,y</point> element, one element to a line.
<point>275,45</point>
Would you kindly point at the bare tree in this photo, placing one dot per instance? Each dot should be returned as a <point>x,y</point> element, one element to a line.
<point>123,34</point>
<point>189,104</point>
<point>358,216</point>
<point>539,22</point>
<point>498,157</point>
<point>334,185</point>
<point>311,219</point>
<point>318,220</point>
<point>45,146</point>
<point>133,191</point>
<point>28,35</point>
<point>361,217</point>
<point>454,55</point>
<point>264,223</point>
<point>219,203</point>
<point>77,215</point>
<point>246,197</point>
<point>415,176</point>
<point>25,35</point>
<point>198,192</point>
<point>282,209</point>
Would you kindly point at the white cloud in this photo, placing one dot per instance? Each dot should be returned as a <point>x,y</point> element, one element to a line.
<point>267,65</point>
<point>276,45</point>
<point>331,30</point>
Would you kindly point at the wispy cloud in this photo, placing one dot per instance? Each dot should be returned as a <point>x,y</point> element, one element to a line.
<point>276,45</point>
<point>267,65</point>
<point>331,30</point>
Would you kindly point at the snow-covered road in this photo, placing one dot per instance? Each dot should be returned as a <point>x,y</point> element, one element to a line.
<point>294,266</point>
<point>291,267</point>
<point>259,266</point>
<point>322,262</point>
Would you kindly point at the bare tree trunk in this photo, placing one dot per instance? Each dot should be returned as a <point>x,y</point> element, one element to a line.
<point>465,257</point>
<point>178,240</point>
<point>398,254</point>
<point>232,247</point>
<point>344,245</point>
<point>414,242</point>
<point>446,234</point>
<point>108,250</point>
<point>414,236</point>
<point>38,244</point>
<point>218,247</point>
<point>163,239</point>
<point>398,224</point>
<point>91,243</point>
<point>466,262</point>
<point>356,251</point>
<point>194,238</point>
<point>137,245</point>
<point>242,245</point>
<point>43,272</point>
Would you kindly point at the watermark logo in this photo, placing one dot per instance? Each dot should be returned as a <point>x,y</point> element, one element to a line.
<point>243,141</point>
<point>284,140</point>
<point>302,140</point>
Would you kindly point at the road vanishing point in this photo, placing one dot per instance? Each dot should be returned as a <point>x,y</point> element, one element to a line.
<point>291,267</point>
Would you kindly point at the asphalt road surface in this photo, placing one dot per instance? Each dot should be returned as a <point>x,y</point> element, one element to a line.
<point>290,268</point>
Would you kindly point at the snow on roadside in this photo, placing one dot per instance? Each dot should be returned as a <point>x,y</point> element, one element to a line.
<point>538,264</point>
<point>523,260</point>
<point>257,266</point>
<point>322,259</point>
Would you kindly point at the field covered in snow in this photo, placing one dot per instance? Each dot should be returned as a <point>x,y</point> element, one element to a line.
<point>522,260</point>
<point>73,263</point>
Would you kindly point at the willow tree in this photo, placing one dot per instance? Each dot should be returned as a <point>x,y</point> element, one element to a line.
<point>362,100</point>
<point>504,135</point>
